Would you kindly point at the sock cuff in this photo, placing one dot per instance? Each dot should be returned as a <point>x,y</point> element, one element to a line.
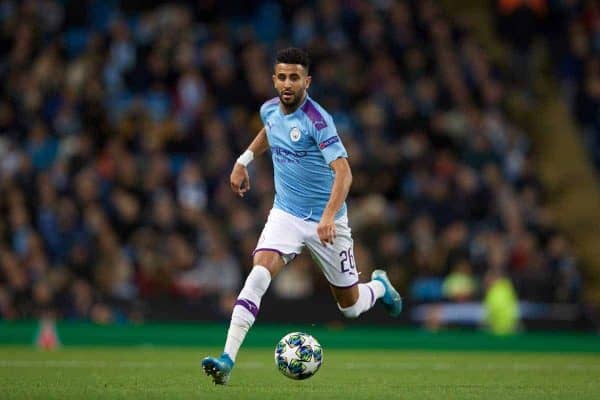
<point>377,288</point>
<point>366,299</point>
<point>354,310</point>
<point>372,298</point>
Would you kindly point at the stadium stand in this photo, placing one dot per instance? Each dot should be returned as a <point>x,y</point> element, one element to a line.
<point>119,125</point>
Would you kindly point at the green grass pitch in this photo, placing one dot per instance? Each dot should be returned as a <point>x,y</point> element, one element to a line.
<point>174,373</point>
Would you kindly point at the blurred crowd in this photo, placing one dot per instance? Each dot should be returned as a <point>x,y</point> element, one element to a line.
<point>570,30</point>
<point>120,122</point>
<point>577,55</point>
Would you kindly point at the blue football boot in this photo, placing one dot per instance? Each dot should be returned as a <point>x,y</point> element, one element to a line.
<point>219,368</point>
<point>391,298</point>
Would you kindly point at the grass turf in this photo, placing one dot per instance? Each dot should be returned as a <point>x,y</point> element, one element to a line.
<point>174,373</point>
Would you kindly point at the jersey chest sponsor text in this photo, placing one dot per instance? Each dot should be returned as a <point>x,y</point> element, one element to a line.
<point>283,155</point>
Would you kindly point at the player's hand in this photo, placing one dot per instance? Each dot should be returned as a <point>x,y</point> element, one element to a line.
<point>239,179</point>
<point>326,231</point>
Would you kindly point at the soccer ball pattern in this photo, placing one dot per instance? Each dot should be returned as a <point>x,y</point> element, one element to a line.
<point>298,355</point>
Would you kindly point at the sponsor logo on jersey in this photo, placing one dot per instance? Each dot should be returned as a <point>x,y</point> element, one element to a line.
<point>280,151</point>
<point>329,142</point>
<point>282,155</point>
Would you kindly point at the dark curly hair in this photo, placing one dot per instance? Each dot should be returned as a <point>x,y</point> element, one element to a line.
<point>293,55</point>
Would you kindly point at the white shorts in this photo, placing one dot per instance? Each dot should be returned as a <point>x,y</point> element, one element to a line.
<point>288,234</point>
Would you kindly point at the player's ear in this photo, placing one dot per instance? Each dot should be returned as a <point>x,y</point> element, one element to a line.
<point>274,81</point>
<point>308,81</point>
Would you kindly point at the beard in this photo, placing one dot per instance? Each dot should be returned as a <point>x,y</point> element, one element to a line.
<point>292,101</point>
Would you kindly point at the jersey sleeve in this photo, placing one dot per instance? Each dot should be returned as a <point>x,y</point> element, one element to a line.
<point>329,142</point>
<point>263,113</point>
<point>268,107</point>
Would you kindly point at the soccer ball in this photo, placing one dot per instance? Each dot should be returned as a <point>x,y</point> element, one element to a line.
<point>298,355</point>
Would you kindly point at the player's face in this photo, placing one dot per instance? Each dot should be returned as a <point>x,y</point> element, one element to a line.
<point>291,82</point>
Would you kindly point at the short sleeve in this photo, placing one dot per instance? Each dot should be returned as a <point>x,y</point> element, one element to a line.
<point>263,113</point>
<point>329,142</point>
<point>267,108</point>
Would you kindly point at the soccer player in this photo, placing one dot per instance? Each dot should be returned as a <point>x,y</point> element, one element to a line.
<point>312,180</point>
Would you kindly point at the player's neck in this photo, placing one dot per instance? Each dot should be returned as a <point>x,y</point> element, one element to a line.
<point>288,110</point>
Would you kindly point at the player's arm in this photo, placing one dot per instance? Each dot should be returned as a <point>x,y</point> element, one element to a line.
<point>339,192</point>
<point>239,179</point>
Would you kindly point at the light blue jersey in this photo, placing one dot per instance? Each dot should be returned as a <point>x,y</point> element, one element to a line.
<point>303,144</point>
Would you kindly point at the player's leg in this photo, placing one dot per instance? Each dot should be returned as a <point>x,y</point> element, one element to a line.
<point>279,242</point>
<point>339,267</point>
<point>267,264</point>
<point>359,298</point>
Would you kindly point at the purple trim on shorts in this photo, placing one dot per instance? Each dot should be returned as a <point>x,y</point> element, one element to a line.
<point>314,115</point>
<point>372,296</point>
<point>344,287</point>
<point>248,305</point>
<point>267,249</point>
<point>281,254</point>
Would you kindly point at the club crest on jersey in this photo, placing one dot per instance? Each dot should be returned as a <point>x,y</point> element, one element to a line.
<point>295,134</point>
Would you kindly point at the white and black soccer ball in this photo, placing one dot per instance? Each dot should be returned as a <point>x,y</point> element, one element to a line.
<point>298,355</point>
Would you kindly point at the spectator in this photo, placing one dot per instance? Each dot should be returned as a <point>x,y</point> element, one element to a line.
<point>460,285</point>
<point>501,304</point>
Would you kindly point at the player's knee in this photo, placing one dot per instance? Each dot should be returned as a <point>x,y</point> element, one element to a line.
<point>351,312</point>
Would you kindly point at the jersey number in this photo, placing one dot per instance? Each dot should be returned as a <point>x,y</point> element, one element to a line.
<point>347,260</point>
